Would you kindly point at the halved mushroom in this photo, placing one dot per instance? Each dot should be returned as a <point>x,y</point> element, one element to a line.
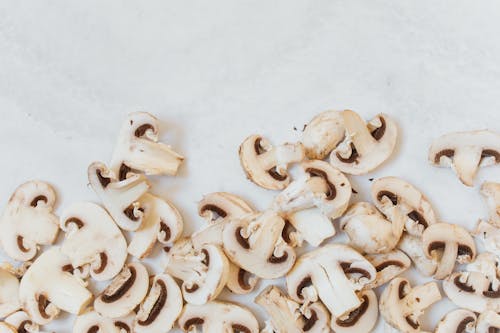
<point>28,220</point>
<point>361,319</point>
<point>9,292</point>
<point>491,192</point>
<point>488,322</point>
<point>91,321</point>
<point>22,323</point>
<point>218,317</point>
<point>216,206</point>
<point>162,222</point>
<point>388,266</point>
<point>203,272</point>
<point>266,165</point>
<point>452,243</point>
<point>92,238</point>
<point>366,145</point>
<point>401,305</point>
<point>124,293</point>
<point>322,134</point>
<point>465,152</point>
<point>161,307</point>
<point>288,316</point>
<point>120,197</point>
<point>46,288</point>
<point>332,273</point>
<point>138,148</point>
<point>457,321</point>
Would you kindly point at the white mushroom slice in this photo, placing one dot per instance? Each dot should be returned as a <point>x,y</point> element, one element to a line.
<point>9,293</point>
<point>489,235</point>
<point>218,317</point>
<point>322,134</point>
<point>457,321</point>
<point>388,266</point>
<point>124,293</point>
<point>491,192</point>
<point>332,273</point>
<point>162,222</point>
<point>452,243</point>
<point>203,272</point>
<point>488,322</point>
<point>361,319</point>
<point>465,152</point>
<point>46,288</point>
<point>214,207</point>
<point>412,246</point>
<point>254,243</point>
<point>28,220</point>
<point>365,146</point>
<point>161,307</point>
<point>138,148</point>
<point>91,321</point>
<point>266,165</point>
<point>92,238</point>
<point>22,323</point>
<point>401,305</point>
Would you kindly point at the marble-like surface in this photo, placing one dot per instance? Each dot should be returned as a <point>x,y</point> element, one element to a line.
<point>217,71</point>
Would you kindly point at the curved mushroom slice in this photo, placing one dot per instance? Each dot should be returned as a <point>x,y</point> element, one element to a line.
<point>161,307</point>
<point>124,293</point>
<point>401,305</point>
<point>92,238</point>
<point>488,322</point>
<point>491,192</point>
<point>46,288</point>
<point>412,246</point>
<point>266,165</point>
<point>203,272</point>
<point>361,319</point>
<point>28,220</point>
<point>91,321</point>
<point>216,206</point>
<point>22,323</point>
<point>388,266</point>
<point>322,134</point>
<point>452,243</point>
<point>465,152</point>
<point>334,273</point>
<point>121,198</point>
<point>162,222</point>
<point>218,317</point>
<point>457,321</point>
<point>9,292</point>
<point>255,244</point>
<point>365,146</point>
<point>138,148</point>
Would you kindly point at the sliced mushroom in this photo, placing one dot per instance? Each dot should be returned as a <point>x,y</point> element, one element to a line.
<point>309,225</point>
<point>218,317</point>
<point>388,266</point>
<point>22,323</point>
<point>365,146</point>
<point>452,243</point>
<point>491,192</point>
<point>46,288</point>
<point>203,272</point>
<point>214,207</point>
<point>412,246</point>
<point>28,220</point>
<point>488,322</point>
<point>92,238</point>
<point>266,165</point>
<point>162,222</point>
<point>457,321</point>
<point>361,319</point>
<point>401,305</point>
<point>138,148</point>
<point>9,292</point>
<point>91,321</point>
<point>332,273</point>
<point>489,235</point>
<point>124,293</point>
<point>465,152</point>
<point>322,134</point>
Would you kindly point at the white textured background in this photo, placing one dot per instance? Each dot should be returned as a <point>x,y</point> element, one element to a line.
<point>217,71</point>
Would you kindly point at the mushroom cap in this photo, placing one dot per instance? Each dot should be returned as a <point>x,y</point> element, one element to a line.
<point>366,145</point>
<point>124,293</point>
<point>28,220</point>
<point>217,206</point>
<point>47,288</point>
<point>487,322</point>
<point>491,192</point>
<point>412,246</point>
<point>218,317</point>
<point>9,293</point>
<point>322,134</point>
<point>89,320</point>
<point>465,152</point>
<point>92,238</point>
<point>388,266</point>
<point>361,319</point>
<point>266,165</point>
<point>459,320</point>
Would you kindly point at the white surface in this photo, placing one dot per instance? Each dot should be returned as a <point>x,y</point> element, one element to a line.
<point>215,72</point>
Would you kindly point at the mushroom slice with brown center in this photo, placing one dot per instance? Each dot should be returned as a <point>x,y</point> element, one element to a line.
<point>491,192</point>
<point>333,274</point>
<point>266,165</point>
<point>92,238</point>
<point>216,206</point>
<point>22,323</point>
<point>361,319</point>
<point>93,322</point>
<point>322,134</point>
<point>124,293</point>
<point>401,305</point>
<point>9,292</point>
<point>465,152</point>
<point>388,266</point>
<point>28,220</point>
<point>457,321</point>
<point>365,146</point>
<point>488,322</point>
<point>46,288</point>
<point>452,243</point>
<point>412,246</point>
<point>218,317</point>
<point>138,148</point>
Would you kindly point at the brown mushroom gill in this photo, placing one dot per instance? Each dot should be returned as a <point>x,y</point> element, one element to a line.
<point>464,250</point>
<point>166,230</point>
<point>103,258</point>
<point>287,230</point>
<point>351,159</point>
<point>354,316</point>
<point>214,209</point>
<point>490,293</point>
<point>244,279</point>
<point>34,202</point>
<point>463,286</point>
<point>193,288</point>
<point>257,147</point>
<point>157,307</point>
<point>412,323</point>
<point>491,153</point>
<point>206,258</point>
<point>445,152</point>
<point>379,132</point>
<point>20,244</point>
<point>22,326</point>
<point>43,303</point>
<point>389,263</point>
<point>436,246</point>
<point>463,324</point>
<point>129,212</point>
<point>122,290</point>
<point>141,130</point>
<point>193,322</point>
<point>277,260</point>
<point>310,322</point>
<point>238,328</point>
<point>389,195</point>
<point>401,290</point>
<point>306,282</point>
<point>76,221</point>
<point>93,329</point>
<point>123,326</point>
<point>123,171</point>
<point>242,241</point>
<point>273,172</point>
<point>331,192</point>
<point>104,181</point>
<point>417,217</point>
<point>346,267</point>
<point>493,329</point>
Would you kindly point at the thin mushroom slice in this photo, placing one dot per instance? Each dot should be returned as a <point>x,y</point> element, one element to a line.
<point>215,317</point>
<point>91,321</point>
<point>322,134</point>
<point>9,292</point>
<point>22,323</point>
<point>488,322</point>
<point>28,220</point>
<point>124,293</point>
<point>138,148</point>
<point>388,266</point>
<point>366,145</point>
<point>217,206</point>
<point>266,165</point>
<point>466,152</point>
<point>457,321</point>
<point>361,319</point>
<point>412,246</point>
<point>491,193</point>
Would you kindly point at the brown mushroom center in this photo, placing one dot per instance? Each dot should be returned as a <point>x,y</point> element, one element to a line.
<point>104,181</point>
<point>122,290</point>
<point>389,263</point>
<point>492,329</point>
<point>354,316</point>
<point>241,240</point>
<point>306,282</point>
<point>463,324</point>
<point>491,153</point>
<point>413,323</point>
<point>141,130</point>
<point>193,288</point>
<point>38,198</point>
<point>75,220</point>
<point>331,192</point>
<point>103,259</point>
<point>166,230</point>
<point>351,159</point>
<point>287,231</point>
<point>463,286</point>
<point>158,306</point>
<point>348,270</point>
<point>238,328</point>
<point>277,260</point>
<point>445,152</point>
<point>402,289</point>
<point>123,326</point>
<point>436,246</point>
<point>193,322</point>
<point>273,172</point>
<point>490,293</point>
<point>43,303</point>
<point>417,217</point>
<point>93,329</point>
<point>129,212</point>
<point>389,195</point>
<point>464,250</point>
<point>22,326</point>
<point>20,244</point>
<point>206,258</point>
<point>257,146</point>
<point>310,322</point>
<point>379,132</point>
<point>123,171</point>
<point>219,212</point>
<point>244,279</point>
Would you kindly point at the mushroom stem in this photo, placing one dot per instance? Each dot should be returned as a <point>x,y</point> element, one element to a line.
<point>465,163</point>
<point>421,297</point>
<point>447,261</point>
<point>355,127</point>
